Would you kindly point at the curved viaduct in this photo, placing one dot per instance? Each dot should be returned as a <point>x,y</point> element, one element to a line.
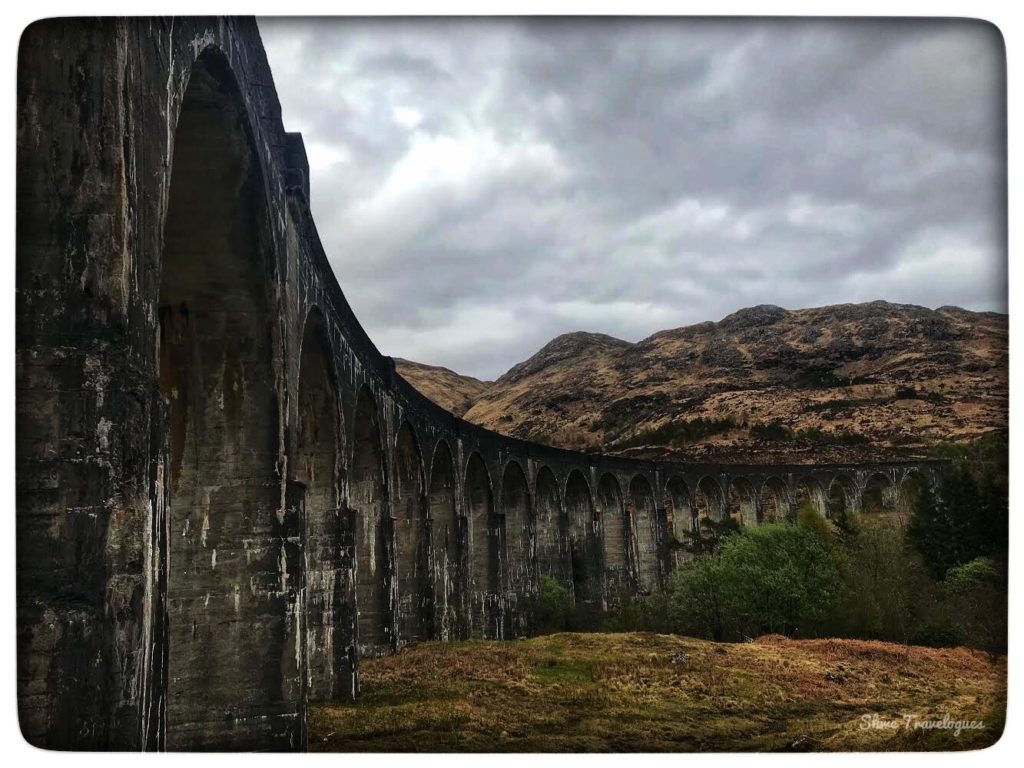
<point>225,494</point>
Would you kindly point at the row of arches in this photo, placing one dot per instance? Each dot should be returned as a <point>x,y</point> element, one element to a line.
<point>426,568</point>
<point>368,538</point>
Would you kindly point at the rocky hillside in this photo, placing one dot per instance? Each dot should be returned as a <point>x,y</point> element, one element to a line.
<point>452,391</point>
<point>765,384</point>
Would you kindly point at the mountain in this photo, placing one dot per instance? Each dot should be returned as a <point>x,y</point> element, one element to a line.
<point>764,384</point>
<point>452,391</point>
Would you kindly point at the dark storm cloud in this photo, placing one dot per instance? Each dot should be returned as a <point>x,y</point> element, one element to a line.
<point>482,186</point>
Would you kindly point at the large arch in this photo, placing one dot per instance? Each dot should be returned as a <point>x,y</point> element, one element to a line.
<point>809,495</point>
<point>842,497</point>
<point>584,547</point>
<point>709,500</point>
<point>446,539</point>
<point>679,513</point>
<point>519,575</point>
<point>615,530</point>
<point>879,498</point>
<point>485,553</point>
<point>741,502</point>
<point>411,542</point>
<point>773,501</point>
<point>216,344</point>
<point>316,468</point>
<point>373,531</point>
<point>645,539</point>
<point>552,530</point>
<point>910,488</point>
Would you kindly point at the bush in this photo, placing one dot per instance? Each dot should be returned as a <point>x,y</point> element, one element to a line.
<point>677,433</point>
<point>964,519</point>
<point>775,578</point>
<point>771,431</point>
<point>977,594</point>
<point>889,594</point>
<point>695,603</point>
<point>779,578</point>
<point>709,534</point>
<point>554,607</point>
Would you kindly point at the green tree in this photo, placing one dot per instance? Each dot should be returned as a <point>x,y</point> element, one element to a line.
<point>889,593</point>
<point>695,601</point>
<point>977,594</point>
<point>779,577</point>
<point>708,535</point>
<point>553,609</point>
<point>965,519</point>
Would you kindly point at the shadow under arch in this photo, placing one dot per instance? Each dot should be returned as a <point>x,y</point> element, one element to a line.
<point>645,538</point>
<point>679,514</point>
<point>412,568</point>
<point>485,539</point>
<point>741,502</point>
<point>583,544</point>
<point>615,532</point>
<point>773,502</point>
<point>709,500</point>
<point>911,486</point>
<point>878,497</point>
<point>373,530</point>
<point>215,351</point>
<point>316,470</point>
<point>446,546</point>
<point>518,572</point>
<point>810,496</point>
<point>842,497</point>
<point>552,540</point>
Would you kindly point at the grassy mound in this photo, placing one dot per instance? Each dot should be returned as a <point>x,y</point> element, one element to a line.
<point>642,692</point>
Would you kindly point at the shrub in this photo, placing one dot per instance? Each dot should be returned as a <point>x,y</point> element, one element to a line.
<point>977,594</point>
<point>779,578</point>
<point>554,607</point>
<point>771,431</point>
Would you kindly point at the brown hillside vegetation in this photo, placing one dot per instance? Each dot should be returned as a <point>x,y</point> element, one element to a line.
<point>766,384</point>
<point>647,692</point>
<point>452,391</point>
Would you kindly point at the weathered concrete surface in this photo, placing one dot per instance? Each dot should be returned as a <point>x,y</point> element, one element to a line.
<point>225,494</point>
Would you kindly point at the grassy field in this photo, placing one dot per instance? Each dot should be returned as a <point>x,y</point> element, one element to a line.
<point>646,692</point>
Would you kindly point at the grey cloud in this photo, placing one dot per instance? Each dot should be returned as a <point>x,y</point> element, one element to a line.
<point>483,185</point>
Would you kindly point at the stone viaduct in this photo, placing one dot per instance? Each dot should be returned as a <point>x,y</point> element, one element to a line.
<point>225,494</point>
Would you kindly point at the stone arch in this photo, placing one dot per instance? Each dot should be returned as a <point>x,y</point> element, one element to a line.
<point>741,502</point>
<point>613,526</point>
<point>519,574</point>
<point>879,496</point>
<point>809,494</point>
<point>215,349</point>
<point>412,566</point>
<point>645,539</point>
<point>773,501</point>
<point>709,499</point>
<point>316,469</point>
<point>584,551</point>
<point>679,513</point>
<point>911,485</point>
<point>485,552</point>
<point>373,530</point>
<point>446,545</point>
<point>551,530</point>
<point>842,496</point>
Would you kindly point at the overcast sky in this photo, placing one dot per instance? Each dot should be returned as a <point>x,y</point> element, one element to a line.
<point>483,186</point>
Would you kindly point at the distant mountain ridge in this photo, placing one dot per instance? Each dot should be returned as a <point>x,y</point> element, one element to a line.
<point>841,382</point>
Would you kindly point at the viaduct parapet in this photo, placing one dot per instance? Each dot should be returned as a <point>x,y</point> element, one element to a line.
<point>225,494</point>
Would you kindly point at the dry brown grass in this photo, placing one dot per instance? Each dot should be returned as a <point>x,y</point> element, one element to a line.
<point>647,692</point>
